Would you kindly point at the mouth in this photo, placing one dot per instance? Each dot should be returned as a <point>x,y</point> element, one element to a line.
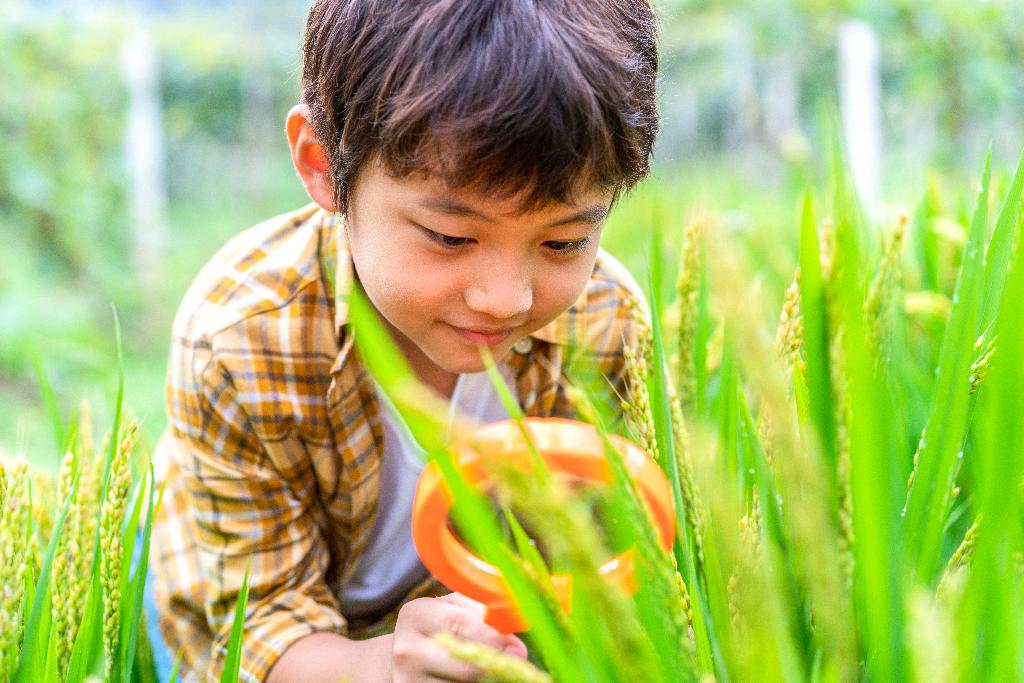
<point>485,337</point>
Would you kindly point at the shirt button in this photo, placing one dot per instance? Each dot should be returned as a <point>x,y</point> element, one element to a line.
<point>523,346</point>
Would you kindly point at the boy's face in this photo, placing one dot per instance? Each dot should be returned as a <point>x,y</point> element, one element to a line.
<point>451,271</point>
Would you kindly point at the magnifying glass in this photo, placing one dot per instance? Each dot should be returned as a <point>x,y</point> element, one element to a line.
<point>569,448</point>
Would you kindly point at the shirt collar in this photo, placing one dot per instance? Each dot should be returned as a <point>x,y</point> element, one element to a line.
<point>338,273</point>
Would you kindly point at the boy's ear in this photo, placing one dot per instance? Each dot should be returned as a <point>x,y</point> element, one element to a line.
<point>309,157</point>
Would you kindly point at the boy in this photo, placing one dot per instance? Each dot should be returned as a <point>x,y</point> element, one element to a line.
<point>461,157</point>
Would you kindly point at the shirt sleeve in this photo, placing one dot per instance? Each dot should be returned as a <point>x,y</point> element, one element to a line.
<point>248,515</point>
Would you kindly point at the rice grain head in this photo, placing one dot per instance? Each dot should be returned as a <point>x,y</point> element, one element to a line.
<point>789,337</point>
<point>980,367</point>
<point>44,494</point>
<point>691,271</point>
<point>62,563</point>
<point>962,555</point>
<point>85,444</point>
<point>110,543</point>
<point>81,537</point>
<point>932,644</point>
<point>495,666</point>
<point>687,483</point>
<point>881,292</point>
<point>637,406</point>
<point>14,548</point>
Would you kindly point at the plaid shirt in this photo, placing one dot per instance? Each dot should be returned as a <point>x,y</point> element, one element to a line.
<point>272,454</point>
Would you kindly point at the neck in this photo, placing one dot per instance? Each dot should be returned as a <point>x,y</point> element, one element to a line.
<point>427,372</point>
<point>439,380</point>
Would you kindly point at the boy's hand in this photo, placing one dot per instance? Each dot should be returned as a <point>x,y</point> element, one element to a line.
<point>416,656</point>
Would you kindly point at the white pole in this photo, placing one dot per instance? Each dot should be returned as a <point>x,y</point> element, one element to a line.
<point>860,104</point>
<point>144,154</point>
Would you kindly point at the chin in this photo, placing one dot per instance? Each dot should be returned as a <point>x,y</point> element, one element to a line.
<point>464,362</point>
<point>465,365</point>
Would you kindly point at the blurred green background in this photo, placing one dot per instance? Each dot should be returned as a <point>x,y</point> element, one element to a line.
<point>136,138</point>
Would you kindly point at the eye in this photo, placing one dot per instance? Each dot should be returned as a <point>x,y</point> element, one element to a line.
<point>447,241</point>
<point>567,247</point>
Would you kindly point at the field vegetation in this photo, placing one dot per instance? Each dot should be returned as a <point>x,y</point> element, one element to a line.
<point>846,476</point>
<point>832,390</point>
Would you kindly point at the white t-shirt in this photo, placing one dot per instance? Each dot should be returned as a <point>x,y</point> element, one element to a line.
<point>389,566</point>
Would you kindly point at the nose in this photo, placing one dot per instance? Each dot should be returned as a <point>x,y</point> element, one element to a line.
<point>501,294</point>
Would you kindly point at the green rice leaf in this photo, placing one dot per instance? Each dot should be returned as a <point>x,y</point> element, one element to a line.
<point>930,497</point>
<point>527,550</point>
<point>875,480</point>
<point>115,431</point>
<point>787,625</point>
<point>131,610</point>
<point>990,618</point>
<point>233,657</point>
<point>50,401</point>
<point>173,678</point>
<point>710,661</point>
<point>50,670</point>
<point>816,342</point>
<point>1000,247</point>
<point>87,652</point>
<point>657,599</point>
<point>540,468</point>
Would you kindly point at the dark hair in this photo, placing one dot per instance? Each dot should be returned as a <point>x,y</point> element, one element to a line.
<point>535,97</point>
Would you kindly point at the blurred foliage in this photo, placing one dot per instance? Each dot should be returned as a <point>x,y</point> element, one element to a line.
<point>64,207</point>
<point>951,71</point>
<point>61,181</point>
<point>729,150</point>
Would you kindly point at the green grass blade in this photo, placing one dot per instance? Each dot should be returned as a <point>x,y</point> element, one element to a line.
<point>131,612</point>
<point>87,651</point>
<point>50,670</point>
<point>788,626</point>
<point>816,343</point>
<point>930,497</point>
<point>875,480</point>
<point>990,620</point>
<point>527,550</point>
<point>630,524</point>
<point>540,468</point>
<point>727,408</point>
<point>1000,247</point>
<point>50,401</point>
<point>115,430</point>
<point>173,678</point>
<point>233,657</point>
<point>710,661</point>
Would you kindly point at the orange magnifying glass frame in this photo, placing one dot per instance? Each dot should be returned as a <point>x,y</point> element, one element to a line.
<point>568,447</point>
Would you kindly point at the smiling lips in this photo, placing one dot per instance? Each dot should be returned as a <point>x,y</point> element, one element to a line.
<point>487,337</point>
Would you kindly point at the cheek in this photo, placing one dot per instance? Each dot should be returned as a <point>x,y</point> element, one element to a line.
<point>401,281</point>
<point>558,287</point>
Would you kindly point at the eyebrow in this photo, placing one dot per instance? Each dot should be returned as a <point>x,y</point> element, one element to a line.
<point>453,207</point>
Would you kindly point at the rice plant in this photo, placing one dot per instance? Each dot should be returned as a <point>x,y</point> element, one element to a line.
<point>846,486</point>
<point>71,607</point>
<point>821,533</point>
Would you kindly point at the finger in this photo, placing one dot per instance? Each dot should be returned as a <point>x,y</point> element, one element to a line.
<point>414,659</point>
<point>515,647</point>
<point>503,642</point>
<point>465,602</point>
